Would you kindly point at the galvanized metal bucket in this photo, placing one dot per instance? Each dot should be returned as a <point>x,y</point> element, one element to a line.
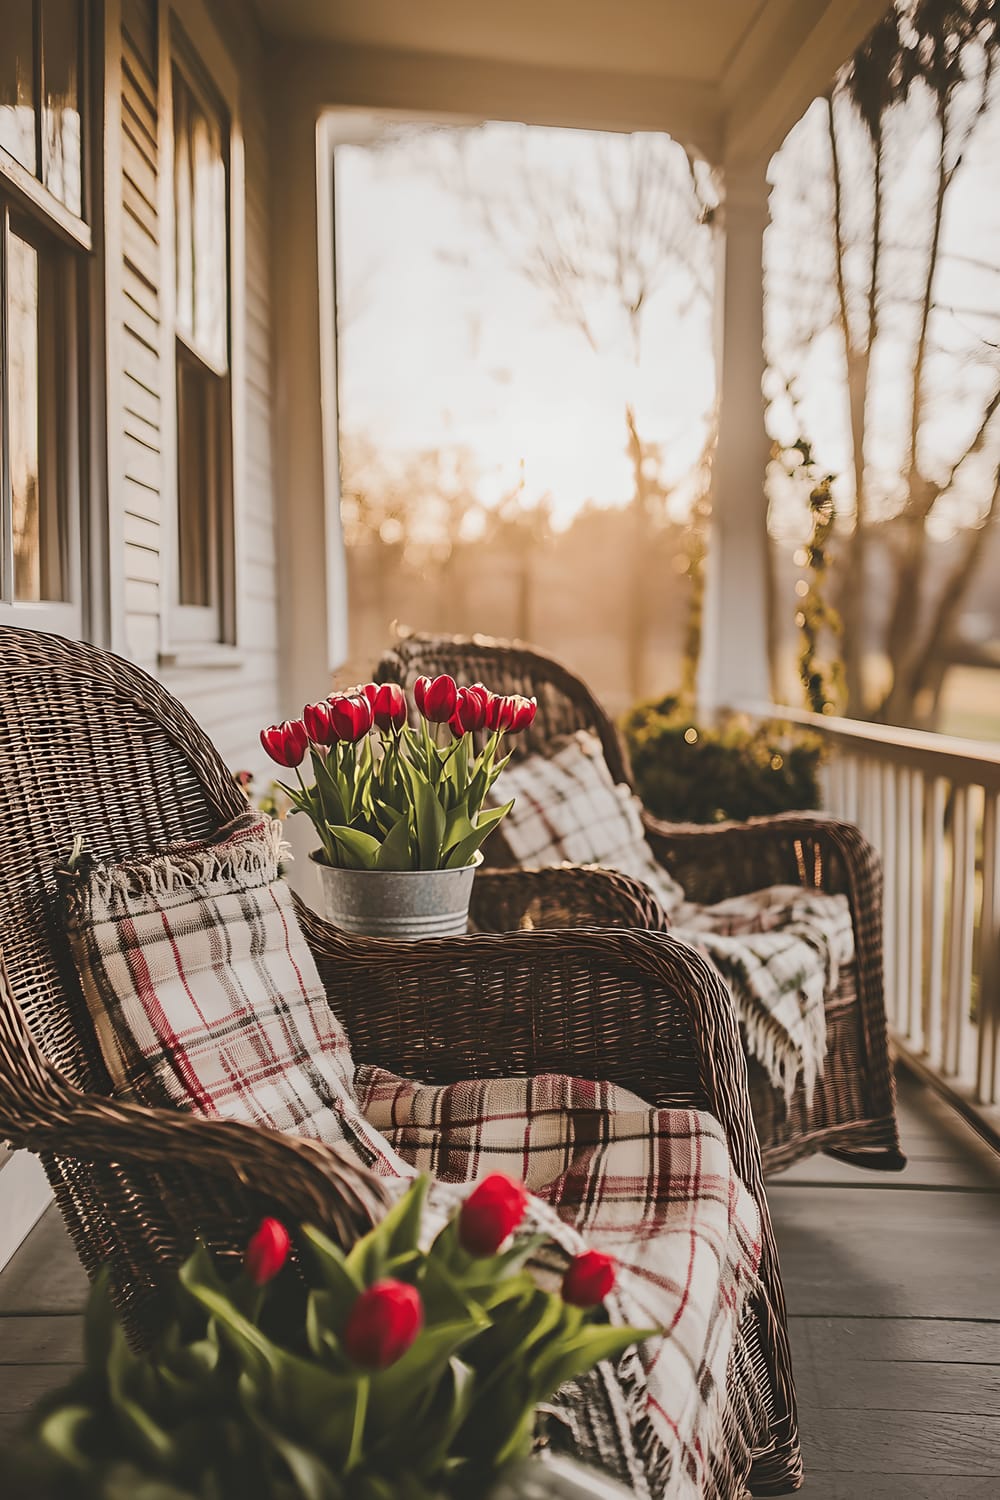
<point>401,904</point>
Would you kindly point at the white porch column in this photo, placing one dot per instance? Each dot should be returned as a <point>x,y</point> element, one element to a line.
<point>312,607</point>
<point>734,657</point>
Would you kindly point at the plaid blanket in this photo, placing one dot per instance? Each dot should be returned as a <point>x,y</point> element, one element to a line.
<point>781,950</point>
<point>204,995</point>
<point>655,1188</point>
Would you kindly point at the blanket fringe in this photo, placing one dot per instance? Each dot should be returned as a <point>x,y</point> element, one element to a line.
<point>247,853</point>
<point>782,1060</point>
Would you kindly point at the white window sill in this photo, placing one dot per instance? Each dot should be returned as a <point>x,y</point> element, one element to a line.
<point>208,656</point>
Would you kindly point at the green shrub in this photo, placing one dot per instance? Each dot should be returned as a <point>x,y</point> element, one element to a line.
<point>686,772</point>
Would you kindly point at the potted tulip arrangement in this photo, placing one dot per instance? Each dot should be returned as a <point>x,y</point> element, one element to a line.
<point>399,808</point>
<point>392,1372</point>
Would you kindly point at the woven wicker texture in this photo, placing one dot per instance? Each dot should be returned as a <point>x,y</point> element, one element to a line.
<point>91,746</point>
<point>852,1111</point>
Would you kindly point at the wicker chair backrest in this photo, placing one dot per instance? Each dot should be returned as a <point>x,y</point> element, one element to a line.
<point>90,746</point>
<point>565,703</point>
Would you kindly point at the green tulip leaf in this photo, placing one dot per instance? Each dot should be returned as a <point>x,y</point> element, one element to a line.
<point>464,852</point>
<point>99,1323</point>
<point>395,852</point>
<point>572,1357</point>
<point>64,1433</point>
<point>361,849</point>
<point>397,1233</point>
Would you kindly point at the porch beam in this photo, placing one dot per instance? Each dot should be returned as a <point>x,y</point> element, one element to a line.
<point>339,75</point>
<point>734,663</point>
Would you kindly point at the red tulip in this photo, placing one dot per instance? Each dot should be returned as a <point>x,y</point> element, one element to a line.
<point>470,711</point>
<point>524,714</point>
<point>389,706</point>
<point>351,716</point>
<point>436,700</point>
<point>267,1251</point>
<point>382,1324</point>
<point>589,1279</point>
<point>511,713</point>
<point>370,690</point>
<point>286,743</point>
<point>491,1213</point>
<point>319,725</point>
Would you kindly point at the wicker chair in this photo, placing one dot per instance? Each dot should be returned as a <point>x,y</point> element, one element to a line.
<point>90,745</point>
<point>852,1112</point>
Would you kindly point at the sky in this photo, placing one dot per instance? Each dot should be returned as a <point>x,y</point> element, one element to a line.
<point>443,340</point>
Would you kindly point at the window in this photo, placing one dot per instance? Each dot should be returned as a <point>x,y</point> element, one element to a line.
<point>43,244</point>
<point>204,404</point>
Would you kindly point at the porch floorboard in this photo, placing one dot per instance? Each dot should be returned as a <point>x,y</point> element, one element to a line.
<point>893,1300</point>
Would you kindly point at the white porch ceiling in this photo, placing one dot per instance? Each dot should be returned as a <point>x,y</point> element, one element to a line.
<point>729,75</point>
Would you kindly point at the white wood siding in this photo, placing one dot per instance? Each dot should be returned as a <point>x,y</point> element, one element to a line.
<point>231,701</point>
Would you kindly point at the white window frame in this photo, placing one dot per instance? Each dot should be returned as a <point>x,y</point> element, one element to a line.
<point>189,634</point>
<point>24,195</point>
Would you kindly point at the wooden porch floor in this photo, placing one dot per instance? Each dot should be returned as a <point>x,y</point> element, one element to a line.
<point>893,1292</point>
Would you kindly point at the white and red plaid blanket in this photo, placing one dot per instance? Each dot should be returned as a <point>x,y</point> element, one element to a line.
<point>205,995</point>
<point>655,1188</point>
<point>782,951</point>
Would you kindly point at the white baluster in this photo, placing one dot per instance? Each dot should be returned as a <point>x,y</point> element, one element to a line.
<point>901,778</point>
<point>934,1013</point>
<point>916,916</point>
<point>988,1058</point>
<point>887,843</point>
<point>850,763</point>
<point>958,999</point>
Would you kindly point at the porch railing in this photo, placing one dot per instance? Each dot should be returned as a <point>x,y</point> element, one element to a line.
<point>931,806</point>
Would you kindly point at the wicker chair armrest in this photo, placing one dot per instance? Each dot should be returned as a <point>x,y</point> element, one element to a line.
<point>208,1162</point>
<point>714,861</point>
<point>637,1008</point>
<point>562,896</point>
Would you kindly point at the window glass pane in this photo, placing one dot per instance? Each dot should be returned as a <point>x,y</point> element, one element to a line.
<point>61,117</point>
<point>36,361</point>
<point>183,212</point>
<point>200,215</point>
<point>199,410</point>
<point>17,81</point>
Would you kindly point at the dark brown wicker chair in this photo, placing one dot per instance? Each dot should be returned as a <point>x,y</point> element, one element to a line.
<point>852,1113</point>
<point>90,745</point>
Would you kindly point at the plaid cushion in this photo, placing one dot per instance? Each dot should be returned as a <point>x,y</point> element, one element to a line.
<point>203,991</point>
<point>567,808</point>
<point>654,1187</point>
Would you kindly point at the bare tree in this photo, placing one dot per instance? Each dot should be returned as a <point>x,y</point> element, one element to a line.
<point>899,126</point>
<point>600,248</point>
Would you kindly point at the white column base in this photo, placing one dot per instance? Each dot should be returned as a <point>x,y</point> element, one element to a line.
<point>25,1194</point>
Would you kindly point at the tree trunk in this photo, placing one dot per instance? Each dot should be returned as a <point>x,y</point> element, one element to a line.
<point>637,604</point>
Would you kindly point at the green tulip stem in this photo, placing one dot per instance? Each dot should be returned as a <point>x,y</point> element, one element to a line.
<point>355,1451</point>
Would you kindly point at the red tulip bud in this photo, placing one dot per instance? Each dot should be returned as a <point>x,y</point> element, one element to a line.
<point>511,713</point>
<point>319,725</point>
<point>589,1279</point>
<point>351,716</point>
<point>525,710</point>
<point>267,1251</point>
<point>436,700</point>
<point>491,1213</point>
<point>389,706</point>
<point>286,743</point>
<point>382,1324</point>
<point>470,711</point>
